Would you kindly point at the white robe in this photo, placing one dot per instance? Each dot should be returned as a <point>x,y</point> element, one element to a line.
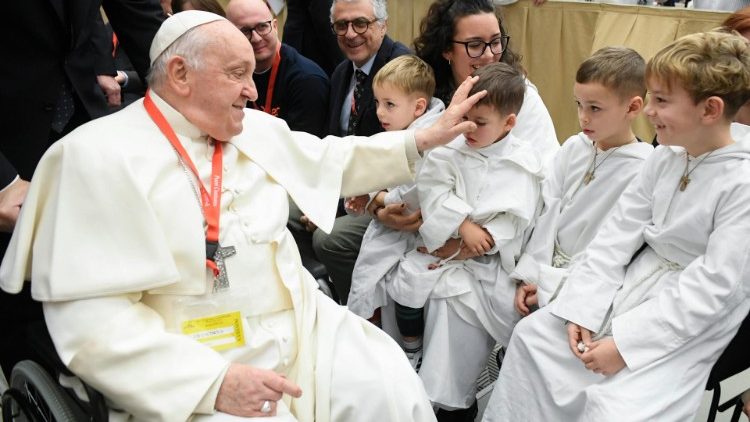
<point>497,187</point>
<point>673,334</point>
<point>383,247</point>
<point>112,237</point>
<point>574,211</point>
<point>534,125</point>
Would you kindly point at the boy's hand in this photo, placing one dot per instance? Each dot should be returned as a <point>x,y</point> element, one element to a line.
<point>393,217</point>
<point>309,225</point>
<point>578,334</point>
<point>525,297</point>
<point>602,357</point>
<point>357,204</point>
<point>476,239</point>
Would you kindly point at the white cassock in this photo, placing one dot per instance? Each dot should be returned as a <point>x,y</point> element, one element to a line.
<point>469,303</point>
<point>112,236</point>
<point>675,307</point>
<point>383,247</point>
<point>573,210</point>
<point>535,126</point>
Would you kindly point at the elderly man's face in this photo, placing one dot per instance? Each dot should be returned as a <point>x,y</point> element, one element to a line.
<point>359,48</point>
<point>220,89</point>
<point>254,19</point>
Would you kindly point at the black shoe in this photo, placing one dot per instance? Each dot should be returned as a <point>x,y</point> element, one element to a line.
<point>458,415</point>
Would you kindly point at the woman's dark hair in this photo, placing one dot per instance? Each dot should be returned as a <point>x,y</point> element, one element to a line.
<point>436,35</point>
<point>212,6</point>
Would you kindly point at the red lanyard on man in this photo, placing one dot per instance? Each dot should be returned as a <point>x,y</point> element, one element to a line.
<point>271,83</point>
<point>210,202</point>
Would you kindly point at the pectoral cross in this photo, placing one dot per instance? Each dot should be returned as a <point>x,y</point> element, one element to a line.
<point>588,178</point>
<point>218,254</point>
<point>684,180</point>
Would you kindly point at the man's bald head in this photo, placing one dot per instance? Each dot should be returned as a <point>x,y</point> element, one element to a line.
<point>257,22</point>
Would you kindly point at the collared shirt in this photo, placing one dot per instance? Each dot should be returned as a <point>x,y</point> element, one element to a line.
<point>346,108</point>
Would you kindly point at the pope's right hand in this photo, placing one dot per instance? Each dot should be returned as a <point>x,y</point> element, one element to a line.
<point>245,388</point>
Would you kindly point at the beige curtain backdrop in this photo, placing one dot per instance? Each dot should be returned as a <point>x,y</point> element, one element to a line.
<point>557,36</point>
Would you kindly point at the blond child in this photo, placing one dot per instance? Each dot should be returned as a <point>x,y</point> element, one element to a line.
<point>588,174</point>
<point>664,285</point>
<point>403,91</point>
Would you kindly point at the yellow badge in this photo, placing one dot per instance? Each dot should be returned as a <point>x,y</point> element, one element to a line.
<point>219,332</point>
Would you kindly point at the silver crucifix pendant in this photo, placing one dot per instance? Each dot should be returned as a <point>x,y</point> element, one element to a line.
<point>218,254</point>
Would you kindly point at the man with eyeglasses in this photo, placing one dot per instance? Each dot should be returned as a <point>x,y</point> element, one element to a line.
<point>290,86</point>
<point>360,27</point>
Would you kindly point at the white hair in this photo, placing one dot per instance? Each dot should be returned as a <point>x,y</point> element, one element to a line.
<point>189,46</point>
<point>379,7</point>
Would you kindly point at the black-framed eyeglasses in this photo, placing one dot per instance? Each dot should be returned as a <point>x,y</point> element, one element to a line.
<point>476,48</point>
<point>262,29</point>
<point>359,26</point>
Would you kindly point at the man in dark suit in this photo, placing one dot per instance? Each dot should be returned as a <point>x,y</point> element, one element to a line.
<point>360,27</point>
<point>52,53</point>
<point>307,29</point>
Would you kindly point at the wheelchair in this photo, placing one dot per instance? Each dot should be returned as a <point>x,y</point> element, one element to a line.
<point>35,396</point>
<point>732,361</point>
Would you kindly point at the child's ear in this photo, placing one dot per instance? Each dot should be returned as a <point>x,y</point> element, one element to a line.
<point>421,107</point>
<point>713,109</point>
<point>510,121</point>
<point>635,105</point>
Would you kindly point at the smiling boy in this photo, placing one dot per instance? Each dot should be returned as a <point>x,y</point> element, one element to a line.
<point>664,285</point>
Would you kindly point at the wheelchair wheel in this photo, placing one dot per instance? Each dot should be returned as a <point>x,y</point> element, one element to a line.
<point>45,398</point>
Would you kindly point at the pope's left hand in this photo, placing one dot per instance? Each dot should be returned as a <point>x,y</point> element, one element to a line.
<point>602,357</point>
<point>451,123</point>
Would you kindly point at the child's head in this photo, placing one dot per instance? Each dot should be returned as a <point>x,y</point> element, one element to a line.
<point>495,114</point>
<point>609,91</point>
<point>403,89</point>
<point>697,82</point>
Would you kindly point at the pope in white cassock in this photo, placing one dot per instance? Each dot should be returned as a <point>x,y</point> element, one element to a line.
<point>179,296</point>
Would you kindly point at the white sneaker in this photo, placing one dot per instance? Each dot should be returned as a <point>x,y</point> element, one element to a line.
<point>415,359</point>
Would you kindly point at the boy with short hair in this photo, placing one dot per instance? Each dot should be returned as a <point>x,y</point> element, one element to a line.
<point>403,91</point>
<point>482,188</point>
<point>588,174</point>
<point>664,285</point>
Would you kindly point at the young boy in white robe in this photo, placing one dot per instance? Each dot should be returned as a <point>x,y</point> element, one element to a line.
<point>588,174</point>
<point>484,188</point>
<point>664,285</point>
<point>403,91</point>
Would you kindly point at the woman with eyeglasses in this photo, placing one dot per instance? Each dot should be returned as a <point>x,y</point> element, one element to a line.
<point>459,36</point>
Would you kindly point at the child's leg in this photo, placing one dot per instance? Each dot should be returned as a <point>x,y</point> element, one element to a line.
<point>455,352</point>
<point>410,323</point>
<point>540,378</point>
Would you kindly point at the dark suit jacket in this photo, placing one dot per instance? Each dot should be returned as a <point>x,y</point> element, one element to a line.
<point>342,76</point>
<point>308,30</point>
<point>46,42</point>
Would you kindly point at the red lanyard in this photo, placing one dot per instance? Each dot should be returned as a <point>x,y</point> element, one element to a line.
<point>271,81</point>
<point>114,44</point>
<point>211,203</point>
